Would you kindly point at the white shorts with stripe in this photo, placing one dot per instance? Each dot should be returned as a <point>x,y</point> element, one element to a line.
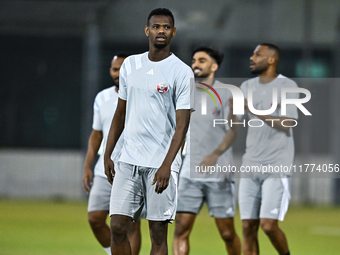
<point>264,198</point>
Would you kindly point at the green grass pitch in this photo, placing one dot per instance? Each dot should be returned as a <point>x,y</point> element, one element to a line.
<point>46,227</point>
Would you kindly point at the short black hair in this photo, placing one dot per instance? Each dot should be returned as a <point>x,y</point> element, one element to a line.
<point>211,51</point>
<point>121,55</point>
<point>272,47</point>
<point>161,11</point>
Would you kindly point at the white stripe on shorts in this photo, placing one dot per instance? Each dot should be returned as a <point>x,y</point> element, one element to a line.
<point>285,198</point>
<point>233,192</point>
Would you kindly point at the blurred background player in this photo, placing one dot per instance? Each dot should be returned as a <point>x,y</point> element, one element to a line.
<point>154,112</point>
<point>218,192</point>
<point>100,190</point>
<point>264,197</point>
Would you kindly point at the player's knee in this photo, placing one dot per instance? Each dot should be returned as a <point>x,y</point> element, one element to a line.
<point>268,227</point>
<point>249,228</point>
<point>228,235</point>
<point>182,229</point>
<point>159,239</point>
<point>118,228</point>
<point>159,242</point>
<point>95,222</point>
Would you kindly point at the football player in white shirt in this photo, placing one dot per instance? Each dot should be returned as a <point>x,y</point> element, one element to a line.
<point>100,190</point>
<point>154,111</point>
<point>264,197</point>
<point>207,146</point>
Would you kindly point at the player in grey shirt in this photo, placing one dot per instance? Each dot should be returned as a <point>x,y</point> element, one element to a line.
<point>207,146</point>
<point>154,106</point>
<point>264,197</point>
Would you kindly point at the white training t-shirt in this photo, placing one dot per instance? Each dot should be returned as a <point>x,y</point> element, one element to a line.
<point>202,138</point>
<point>153,92</point>
<point>104,107</point>
<point>266,145</point>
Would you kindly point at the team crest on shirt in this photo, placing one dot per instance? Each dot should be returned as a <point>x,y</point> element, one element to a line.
<point>162,87</point>
<point>216,111</point>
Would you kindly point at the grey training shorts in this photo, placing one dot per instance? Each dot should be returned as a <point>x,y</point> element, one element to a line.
<point>132,190</point>
<point>99,197</point>
<point>219,196</point>
<point>264,198</point>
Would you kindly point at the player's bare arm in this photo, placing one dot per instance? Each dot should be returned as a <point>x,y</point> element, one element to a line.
<point>162,176</point>
<point>182,146</point>
<point>227,142</point>
<point>116,129</point>
<point>92,150</point>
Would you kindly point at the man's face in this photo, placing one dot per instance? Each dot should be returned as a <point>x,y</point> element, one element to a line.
<point>203,65</point>
<point>259,60</point>
<point>116,63</point>
<point>160,31</point>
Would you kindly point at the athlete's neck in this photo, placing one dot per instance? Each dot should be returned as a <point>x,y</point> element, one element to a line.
<point>208,80</point>
<point>267,76</point>
<point>158,54</point>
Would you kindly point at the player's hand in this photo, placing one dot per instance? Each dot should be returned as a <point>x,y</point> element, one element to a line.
<point>161,179</point>
<point>87,178</point>
<point>109,169</point>
<point>209,160</point>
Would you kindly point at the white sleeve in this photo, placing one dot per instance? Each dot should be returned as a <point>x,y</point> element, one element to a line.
<point>97,123</point>
<point>185,89</point>
<point>122,81</point>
